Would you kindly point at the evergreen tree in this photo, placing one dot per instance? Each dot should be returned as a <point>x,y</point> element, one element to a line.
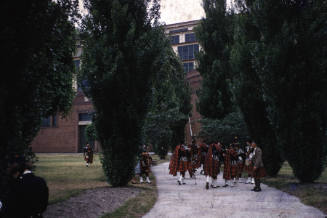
<point>215,37</point>
<point>248,91</point>
<point>170,102</point>
<point>119,53</point>
<point>290,60</point>
<point>37,46</point>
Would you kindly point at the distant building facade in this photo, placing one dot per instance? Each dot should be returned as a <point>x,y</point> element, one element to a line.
<point>186,46</point>
<point>67,134</point>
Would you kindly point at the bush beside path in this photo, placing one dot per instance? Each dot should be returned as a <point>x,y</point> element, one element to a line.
<point>193,200</point>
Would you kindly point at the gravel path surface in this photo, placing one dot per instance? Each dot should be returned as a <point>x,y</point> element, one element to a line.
<point>193,200</point>
<point>91,203</point>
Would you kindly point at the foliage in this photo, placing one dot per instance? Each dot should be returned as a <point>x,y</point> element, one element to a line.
<point>247,90</point>
<point>290,60</point>
<point>90,133</point>
<point>170,102</point>
<point>215,36</point>
<point>120,48</point>
<point>224,130</point>
<point>37,43</point>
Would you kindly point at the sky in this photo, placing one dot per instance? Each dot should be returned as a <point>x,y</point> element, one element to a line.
<point>175,11</point>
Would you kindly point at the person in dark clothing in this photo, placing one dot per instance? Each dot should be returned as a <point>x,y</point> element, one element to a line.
<point>28,197</point>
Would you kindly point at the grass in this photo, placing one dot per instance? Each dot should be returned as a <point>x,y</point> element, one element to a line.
<point>139,205</point>
<point>314,194</point>
<point>67,175</point>
<point>143,202</point>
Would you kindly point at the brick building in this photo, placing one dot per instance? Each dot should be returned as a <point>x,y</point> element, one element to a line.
<point>184,43</point>
<point>68,134</point>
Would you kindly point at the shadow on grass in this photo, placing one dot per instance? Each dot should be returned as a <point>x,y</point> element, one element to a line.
<point>313,194</point>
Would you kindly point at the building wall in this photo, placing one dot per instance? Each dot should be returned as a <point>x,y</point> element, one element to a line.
<point>192,76</point>
<point>64,137</point>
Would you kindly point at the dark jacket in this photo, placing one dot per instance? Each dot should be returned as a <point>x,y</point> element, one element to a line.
<point>29,197</point>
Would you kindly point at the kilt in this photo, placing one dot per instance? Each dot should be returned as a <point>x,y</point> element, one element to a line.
<point>234,170</point>
<point>183,166</point>
<point>248,169</point>
<point>202,158</point>
<point>240,167</point>
<point>259,173</point>
<point>212,168</point>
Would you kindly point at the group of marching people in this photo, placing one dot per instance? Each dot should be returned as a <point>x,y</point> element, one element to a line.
<point>211,157</point>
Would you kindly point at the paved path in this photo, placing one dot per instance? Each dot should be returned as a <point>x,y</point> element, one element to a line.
<point>192,200</point>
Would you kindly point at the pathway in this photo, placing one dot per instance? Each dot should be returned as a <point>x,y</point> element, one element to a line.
<point>193,200</point>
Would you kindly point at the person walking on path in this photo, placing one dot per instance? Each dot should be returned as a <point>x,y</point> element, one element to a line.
<point>145,164</point>
<point>179,162</point>
<point>248,163</point>
<point>88,154</point>
<point>258,167</point>
<point>212,164</point>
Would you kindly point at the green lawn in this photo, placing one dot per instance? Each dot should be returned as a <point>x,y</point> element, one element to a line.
<point>67,175</point>
<point>314,194</point>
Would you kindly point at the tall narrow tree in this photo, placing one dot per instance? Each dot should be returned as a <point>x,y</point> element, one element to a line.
<point>290,61</point>
<point>248,91</point>
<point>119,52</point>
<point>215,37</point>
<point>37,40</point>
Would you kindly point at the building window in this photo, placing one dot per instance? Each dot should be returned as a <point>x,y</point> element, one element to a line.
<point>84,83</point>
<point>190,37</point>
<point>46,122</point>
<point>188,67</point>
<point>77,63</point>
<point>85,116</point>
<point>174,40</point>
<point>178,31</point>
<point>188,52</point>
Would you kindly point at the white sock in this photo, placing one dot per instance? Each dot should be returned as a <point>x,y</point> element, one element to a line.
<point>141,179</point>
<point>147,179</point>
<point>208,179</point>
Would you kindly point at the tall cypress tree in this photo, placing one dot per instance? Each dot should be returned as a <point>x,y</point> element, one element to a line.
<point>290,60</point>
<point>215,37</point>
<point>248,91</point>
<point>119,53</point>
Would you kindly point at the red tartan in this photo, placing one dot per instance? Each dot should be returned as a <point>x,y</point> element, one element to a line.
<point>234,170</point>
<point>211,167</point>
<point>174,161</point>
<point>240,167</point>
<point>202,157</point>
<point>259,173</point>
<point>183,166</point>
<point>227,166</point>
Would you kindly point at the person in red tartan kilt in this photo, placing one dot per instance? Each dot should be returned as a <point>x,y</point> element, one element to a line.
<point>258,167</point>
<point>195,158</point>
<point>230,165</point>
<point>88,154</point>
<point>212,164</point>
<point>203,153</point>
<point>240,161</point>
<point>180,162</point>
<point>145,164</point>
<point>248,166</point>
